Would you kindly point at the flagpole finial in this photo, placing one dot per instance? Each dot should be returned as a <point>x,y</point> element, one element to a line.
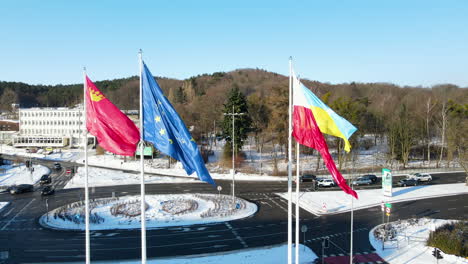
<point>290,58</point>
<point>84,68</point>
<point>140,51</point>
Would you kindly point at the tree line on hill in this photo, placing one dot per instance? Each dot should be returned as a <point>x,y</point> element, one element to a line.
<point>429,124</point>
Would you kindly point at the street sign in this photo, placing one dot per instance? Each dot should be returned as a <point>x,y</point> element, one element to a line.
<point>388,210</point>
<point>382,206</point>
<point>387,182</point>
<point>388,205</point>
<point>220,188</point>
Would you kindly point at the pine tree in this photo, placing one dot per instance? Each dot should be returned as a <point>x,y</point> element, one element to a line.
<point>236,103</point>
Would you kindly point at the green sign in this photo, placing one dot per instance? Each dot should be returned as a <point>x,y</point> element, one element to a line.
<point>147,151</point>
<point>387,182</point>
<point>389,205</point>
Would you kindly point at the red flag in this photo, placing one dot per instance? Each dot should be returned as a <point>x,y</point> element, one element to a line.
<point>307,133</point>
<point>115,132</point>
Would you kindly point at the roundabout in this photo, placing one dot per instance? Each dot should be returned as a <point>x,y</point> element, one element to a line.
<point>161,211</point>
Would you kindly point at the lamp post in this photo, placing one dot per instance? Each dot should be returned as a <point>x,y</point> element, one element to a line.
<point>233,115</point>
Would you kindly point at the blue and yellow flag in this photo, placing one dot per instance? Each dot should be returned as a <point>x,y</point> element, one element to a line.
<point>165,129</point>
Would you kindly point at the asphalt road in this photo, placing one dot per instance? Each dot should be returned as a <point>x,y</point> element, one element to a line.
<point>28,242</point>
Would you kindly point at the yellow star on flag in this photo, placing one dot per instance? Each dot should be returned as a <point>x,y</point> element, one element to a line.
<point>192,139</point>
<point>170,141</point>
<point>157,119</point>
<point>162,131</point>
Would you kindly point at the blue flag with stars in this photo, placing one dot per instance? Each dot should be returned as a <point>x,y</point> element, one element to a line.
<point>164,128</point>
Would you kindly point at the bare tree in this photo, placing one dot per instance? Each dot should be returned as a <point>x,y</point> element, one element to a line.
<point>443,127</point>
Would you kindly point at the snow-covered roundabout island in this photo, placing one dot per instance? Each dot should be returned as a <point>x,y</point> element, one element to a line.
<point>161,211</point>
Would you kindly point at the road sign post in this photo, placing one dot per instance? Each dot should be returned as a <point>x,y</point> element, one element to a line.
<point>47,209</point>
<point>304,230</point>
<point>382,207</point>
<point>219,191</point>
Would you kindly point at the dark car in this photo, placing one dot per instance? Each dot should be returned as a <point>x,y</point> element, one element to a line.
<point>308,178</point>
<point>48,190</point>
<point>22,188</point>
<point>57,166</point>
<point>408,182</point>
<point>371,177</point>
<point>45,179</point>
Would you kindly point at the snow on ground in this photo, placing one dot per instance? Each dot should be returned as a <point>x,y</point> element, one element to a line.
<point>14,175</point>
<point>265,255</point>
<point>3,205</point>
<point>256,165</point>
<point>410,245</point>
<point>333,202</point>
<point>162,211</point>
<point>107,177</point>
<point>65,155</point>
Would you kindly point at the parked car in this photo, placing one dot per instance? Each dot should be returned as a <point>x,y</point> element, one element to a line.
<point>408,182</point>
<point>307,178</point>
<point>57,166</point>
<point>362,181</point>
<point>421,176</point>
<point>45,179</point>
<point>371,177</point>
<point>326,183</point>
<point>22,188</point>
<point>48,190</point>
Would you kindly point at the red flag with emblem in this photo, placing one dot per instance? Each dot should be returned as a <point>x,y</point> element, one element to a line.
<point>114,131</point>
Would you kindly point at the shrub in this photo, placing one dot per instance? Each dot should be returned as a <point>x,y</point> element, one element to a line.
<point>451,238</point>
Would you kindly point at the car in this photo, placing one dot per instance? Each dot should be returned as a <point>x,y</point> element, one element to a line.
<point>362,181</point>
<point>45,179</point>
<point>326,183</point>
<point>22,188</point>
<point>408,182</point>
<point>307,178</point>
<point>421,176</point>
<point>48,190</point>
<point>371,177</point>
<point>57,166</point>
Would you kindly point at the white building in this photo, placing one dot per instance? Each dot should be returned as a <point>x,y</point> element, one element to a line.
<point>51,127</point>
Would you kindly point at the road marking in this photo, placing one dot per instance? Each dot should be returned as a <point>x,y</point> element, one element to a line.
<point>236,234</point>
<point>284,209</point>
<point>452,209</point>
<point>8,212</point>
<point>11,220</point>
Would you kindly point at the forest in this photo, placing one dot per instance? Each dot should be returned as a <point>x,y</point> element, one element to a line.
<point>429,123</point>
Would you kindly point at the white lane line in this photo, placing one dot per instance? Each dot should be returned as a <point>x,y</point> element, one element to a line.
<point>452,209</point>
<point>11,220</point>
<point>236,234</point>
<point>277,204</point>
<point>5,215</point>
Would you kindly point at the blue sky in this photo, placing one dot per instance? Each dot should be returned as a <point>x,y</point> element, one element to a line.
<point>403,42</point>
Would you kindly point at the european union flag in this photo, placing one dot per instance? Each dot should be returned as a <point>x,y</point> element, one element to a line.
<point>163,127</point>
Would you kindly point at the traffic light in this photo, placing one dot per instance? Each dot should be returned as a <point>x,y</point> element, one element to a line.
<point>436,253</point>
<point>27,164</point>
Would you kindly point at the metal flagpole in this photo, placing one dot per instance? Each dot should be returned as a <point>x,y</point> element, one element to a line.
<point>233,158</point>
<point>142,171</point>
<point>351,241</point>
<point>297,202</point>
<point>289,167</point>
<point>85,148</point>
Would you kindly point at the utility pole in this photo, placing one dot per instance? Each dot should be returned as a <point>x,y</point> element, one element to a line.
<point>233,115</point>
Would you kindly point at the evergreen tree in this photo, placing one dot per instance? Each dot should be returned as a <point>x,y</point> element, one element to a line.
<point>236,103</point>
